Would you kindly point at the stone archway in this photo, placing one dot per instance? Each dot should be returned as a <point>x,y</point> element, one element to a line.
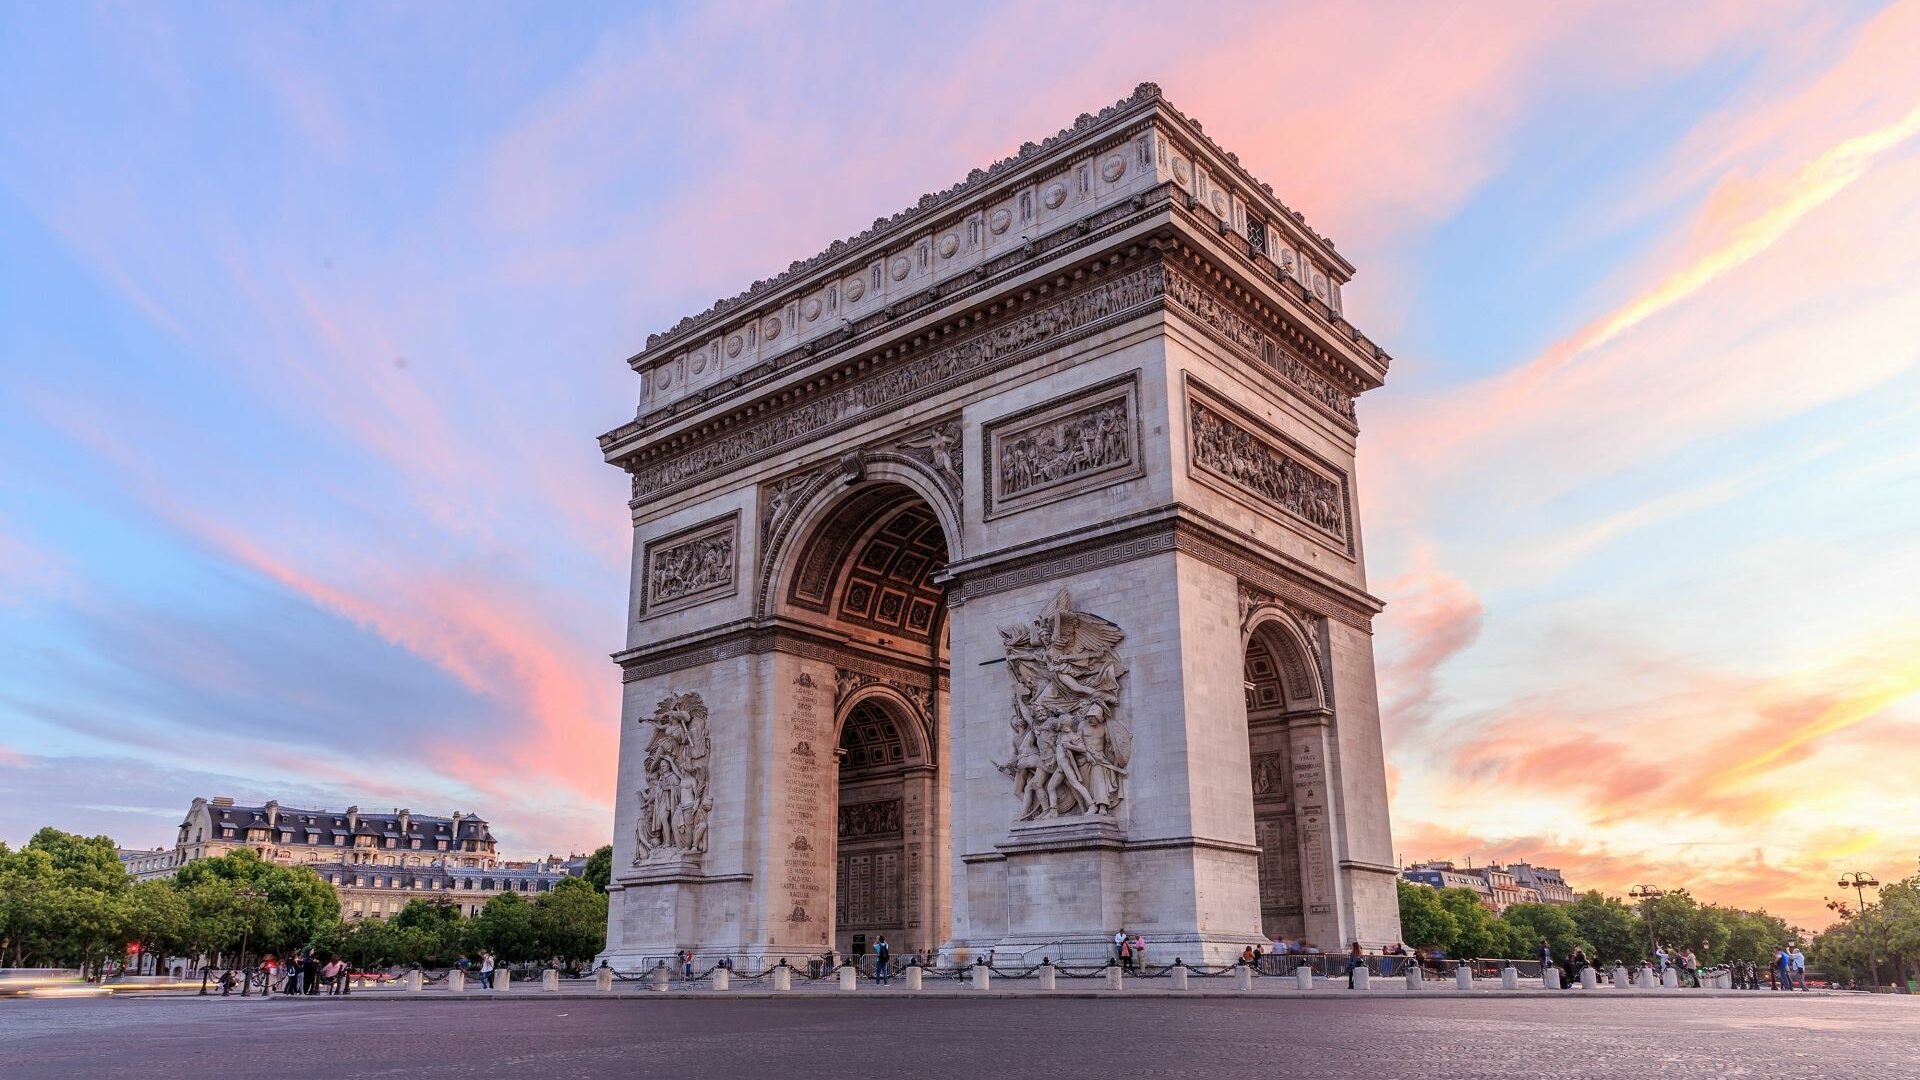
<point>886,815</point>
<point>1288,734</point>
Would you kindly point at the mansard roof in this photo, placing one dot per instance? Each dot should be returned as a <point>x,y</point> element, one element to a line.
<point>331,822</point>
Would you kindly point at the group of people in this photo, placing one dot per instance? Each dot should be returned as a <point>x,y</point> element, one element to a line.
<point>303,975</point>
<point>1129,950</point>
<point>487,966</point>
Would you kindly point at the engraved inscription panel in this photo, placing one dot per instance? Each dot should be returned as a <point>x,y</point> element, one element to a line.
<point>806,773</point>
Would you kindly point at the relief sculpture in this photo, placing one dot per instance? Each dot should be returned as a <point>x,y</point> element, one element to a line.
<point>1070,754</point>
<point>1079,443</point>
<point>1224,447</point>
<point>674,801</point>
<point>693,566</point>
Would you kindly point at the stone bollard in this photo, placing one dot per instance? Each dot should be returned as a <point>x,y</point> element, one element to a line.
<point>457,981</point>
<point>603,979</point>
<point>1413,976</point>
<point>1589,978</point>
<point>1114,979</point>
<point>982,975</point>
<point>1047,973</point>
<point>1179,974</point>
<point>1620,977</point>
<point>1303,977</point>
<point>412,981</point>
<point>1645,981</point>
<point>783,976</point>
<point>550,981</point>
<point>722,978</point>
<point>914,977</point>
<point>1360,977</point>
<point>1242,976</point>
<point>502,979</point>
<point>1509,978</point>
<point>1670,979</point>
<point>1550,977</point>
<point>849,977</point>
<point>659,978</point>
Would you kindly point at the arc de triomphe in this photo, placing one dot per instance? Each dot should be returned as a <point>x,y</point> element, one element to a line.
<point>997,582</point>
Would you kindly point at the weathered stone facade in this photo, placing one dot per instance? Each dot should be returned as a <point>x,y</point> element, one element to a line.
<point>1010,550</point>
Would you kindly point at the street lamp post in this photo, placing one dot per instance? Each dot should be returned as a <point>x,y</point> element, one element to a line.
<point>247,896</point>
<point>1647,894</point>
<point>1860,882</point>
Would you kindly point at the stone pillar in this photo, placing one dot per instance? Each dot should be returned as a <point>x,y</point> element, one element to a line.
<point>914,977</point>
<point>603,980</point>
<point>457,981</point>
<point>1309,739</point>
<point>502,980</point>
<point>1509,977</point>
<point>1670,979</point>
<point>1550,977</point>
<point>1589,978</point>
<point>982,975</point>
<point>849,977</point>
<point>1413,976</point>
<point>783,976</point>
<point>1115,980</point>
<point>1646,981</point>
<point>1242,976</point>
<point>1179,974</point>
<point>1303,976</point>
<point>722,978</point>
<point>659,978</point>
<point>1620,981</point>
<point>413,981</point>
<point>1359,978</point>
<point>1047,974</point>
<point>550,981</point>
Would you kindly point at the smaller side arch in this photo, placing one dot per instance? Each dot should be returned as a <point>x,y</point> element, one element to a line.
<point>1274,628</point>
<point>818,496</point>
<point>915,736</point>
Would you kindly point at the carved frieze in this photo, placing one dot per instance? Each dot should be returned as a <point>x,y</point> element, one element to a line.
<point>1222,318</point>
<point>674,801</point>
<point>847,683</point>
<point>692,566</point>
<point>938,445</point>
<point>1267,466</point>
<point>1088,440</point>
<point>1070,754</point>
<point>878,818</point>
<point>911,379</point>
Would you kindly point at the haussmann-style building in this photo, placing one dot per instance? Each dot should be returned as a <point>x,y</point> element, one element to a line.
<point>997,583</point>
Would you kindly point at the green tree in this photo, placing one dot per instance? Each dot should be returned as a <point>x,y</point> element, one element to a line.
<point>1477,934</point>
<point>600,867</point>
<point>505,928</point>
<point>84,862</point>
<point>1424,921</point>
<point>437,932</point>
<point>571,921</point>
<point>1534,923</point>
<point>157,919</point>
<point>297,907</point>
<point>1611,929</point>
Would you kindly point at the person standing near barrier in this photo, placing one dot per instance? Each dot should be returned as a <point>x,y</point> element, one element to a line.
<point>1578,961</point>
<point>686,966</point>
<point>1120,946</point>
<point>882,960</point>
<point>1783,960</point>
<point>1799,967</point>
<point>486,970</point>
<point>1545,956</point>
<point>1660,960</point>
<point>1355,961</point>
<point>1140,951</point>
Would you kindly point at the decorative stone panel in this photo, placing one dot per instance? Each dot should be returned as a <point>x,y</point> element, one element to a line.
<point>1238,453</point>
<point>692,566</point>
<point>1064,447</point>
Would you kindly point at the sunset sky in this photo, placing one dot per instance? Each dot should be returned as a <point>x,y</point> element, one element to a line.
<point>309,317</point>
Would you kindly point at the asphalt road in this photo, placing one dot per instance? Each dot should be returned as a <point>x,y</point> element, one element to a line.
<point>1762,1035</point>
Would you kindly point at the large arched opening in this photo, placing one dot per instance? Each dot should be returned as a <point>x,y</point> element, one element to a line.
<point>865,574</point>
<point>1282,693</point>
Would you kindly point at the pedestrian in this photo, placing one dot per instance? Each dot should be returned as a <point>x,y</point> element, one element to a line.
<point>486,970</point>
<point>1798,967</point>
<point>1246,955</point>
<point>1783,960</point>
<point>686,966</point>
<point>1660,960</point>
<point>310,973</point>
<point>1579,961</point>
<point>1355,961</point>
<point>1120,945</point>
<point>882,958</point>
<point>1690,968</point>
<point>227,982</point>
<point>1545,956</point>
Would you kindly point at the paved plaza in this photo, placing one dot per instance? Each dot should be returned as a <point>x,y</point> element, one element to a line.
<point>1378,1038</point>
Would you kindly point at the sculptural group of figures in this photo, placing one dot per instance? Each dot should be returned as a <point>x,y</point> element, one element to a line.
<point>1069,752</point>
<point>674,802</point>
<point>687,568</point>
<point>1067,447</point>
<point>1232,451</point>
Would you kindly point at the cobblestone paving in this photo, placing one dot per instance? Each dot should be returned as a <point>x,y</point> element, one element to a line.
<point>1764,1035</point>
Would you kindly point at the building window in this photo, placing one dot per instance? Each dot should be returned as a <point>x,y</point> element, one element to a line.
<point>1257,235</point>
<point>226,834</point>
